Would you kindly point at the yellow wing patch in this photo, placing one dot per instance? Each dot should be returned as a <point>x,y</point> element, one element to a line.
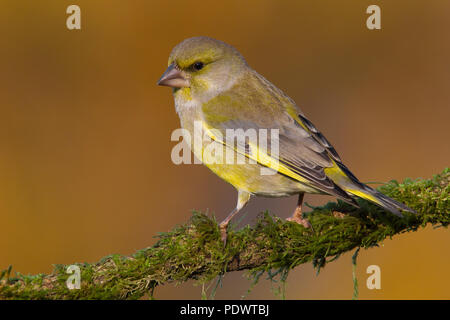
<point>260,157</point>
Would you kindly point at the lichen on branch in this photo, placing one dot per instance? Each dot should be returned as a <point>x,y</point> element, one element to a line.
<point>195,250</point>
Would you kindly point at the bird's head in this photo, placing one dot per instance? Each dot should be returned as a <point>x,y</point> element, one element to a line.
<point>202,67</point>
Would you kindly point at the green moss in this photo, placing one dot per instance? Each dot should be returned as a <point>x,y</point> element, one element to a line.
<point>272,247</point>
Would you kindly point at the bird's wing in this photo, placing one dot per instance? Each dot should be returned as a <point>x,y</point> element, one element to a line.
<point>302,154</point>
<point>297,156</point>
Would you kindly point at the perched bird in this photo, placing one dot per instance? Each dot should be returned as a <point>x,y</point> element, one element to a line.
<point>213,85</point>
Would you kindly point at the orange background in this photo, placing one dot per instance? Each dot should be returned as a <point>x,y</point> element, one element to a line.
<point>85,168</point>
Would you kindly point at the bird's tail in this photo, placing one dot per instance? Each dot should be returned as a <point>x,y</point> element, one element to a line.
<point>366,192</point>
<point>350,184</point>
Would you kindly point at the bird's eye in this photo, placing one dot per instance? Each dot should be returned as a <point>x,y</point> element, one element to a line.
<point>198,66</point>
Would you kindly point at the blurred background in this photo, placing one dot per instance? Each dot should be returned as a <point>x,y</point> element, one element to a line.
<point>85,167</point>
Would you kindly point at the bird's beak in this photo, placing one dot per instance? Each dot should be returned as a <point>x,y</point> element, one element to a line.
<point>173,77</point>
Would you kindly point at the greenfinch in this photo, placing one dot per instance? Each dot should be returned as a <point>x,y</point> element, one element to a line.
<point>215,87</point>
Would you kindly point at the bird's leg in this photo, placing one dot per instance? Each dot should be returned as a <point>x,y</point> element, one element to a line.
<point>297,216</point>
<point>243,198</point>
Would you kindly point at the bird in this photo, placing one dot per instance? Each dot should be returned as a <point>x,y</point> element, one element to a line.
<point>214,87</point>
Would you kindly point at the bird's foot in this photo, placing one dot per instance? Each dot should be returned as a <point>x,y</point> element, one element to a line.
<point>223,234</point>
<point>303,221</point>
<point>298,218</point>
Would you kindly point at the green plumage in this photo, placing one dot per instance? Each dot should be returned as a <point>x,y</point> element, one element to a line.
<point>226,94</point>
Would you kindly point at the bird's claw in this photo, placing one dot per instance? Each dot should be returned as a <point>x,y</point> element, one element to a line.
<point>223,234</point>
<point>300,220</point>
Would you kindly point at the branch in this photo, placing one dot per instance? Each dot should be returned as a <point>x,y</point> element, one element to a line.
<point>195,251</point>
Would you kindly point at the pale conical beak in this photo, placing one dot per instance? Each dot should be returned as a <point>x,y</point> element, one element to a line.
<point>173,77</point>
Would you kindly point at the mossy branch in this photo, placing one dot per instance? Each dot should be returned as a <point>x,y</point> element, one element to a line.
<point>195,251</point>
